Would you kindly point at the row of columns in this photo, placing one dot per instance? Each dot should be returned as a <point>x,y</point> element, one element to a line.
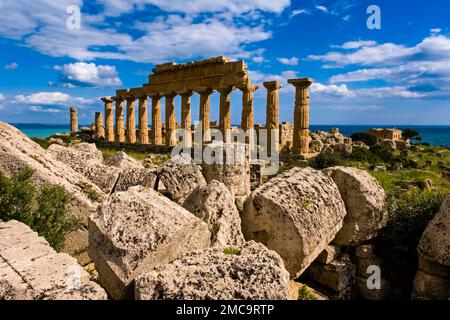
<point>301,115</point>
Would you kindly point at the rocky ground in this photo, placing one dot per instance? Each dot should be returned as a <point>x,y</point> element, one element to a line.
<point>177,230</point>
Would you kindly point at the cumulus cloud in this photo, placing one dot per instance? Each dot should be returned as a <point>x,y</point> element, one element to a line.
<point>293,61</point>
<point>185,30</point>
<point>322,8</point>
<point>11,66</point>
<point>299,11</point>
<point>50,99</point>
<point>45,110</point>
<point>89,74</point>
<point>355,44</point>
<point>2,97</point>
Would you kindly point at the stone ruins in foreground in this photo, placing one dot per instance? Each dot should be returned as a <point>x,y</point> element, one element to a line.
<point>203,77</point>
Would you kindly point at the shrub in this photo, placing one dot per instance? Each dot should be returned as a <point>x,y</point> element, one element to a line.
<point>366,137</point>
<point>325,160</point>
<point>409,133</point>
<point>382,153</point>
<point>44,211</point>
<point>409,214</point>
<point>362,155</point>
<point>304,293</point>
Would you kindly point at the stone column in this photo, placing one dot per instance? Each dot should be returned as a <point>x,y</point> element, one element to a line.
<point>143,120</point>
<point>186,117</point>
<point>247,107</point>
<point>156,120</point>
<point>205,117</point>
<point>120,130</point>
<point>225,112</point>
<point>99,130</point>
<point>272,115</point>
<point>301,115</point>
<point>73,119</point>
<point>171,123</point>
<point>109,122</point>
<point>131,121</point>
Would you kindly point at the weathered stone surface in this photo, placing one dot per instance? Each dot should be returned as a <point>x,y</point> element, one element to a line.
<point>389,144</point>
<point>328,254</point>
<point>298,290</point>
<point>88,164</point>
<point>343,148</point>
<point>131,177</point>
<point>435,242</point>
<point>336,275</point>
<point>231,166</point>
<point>31,269</point>
<point>433,268</point>
<point>365,203</point>
<point>122,161</point>
<point>136,230</point>
<point>90,148</point>
<point>18,151</point>
<point>364,251</point>
<point>180,176</point>
<point>363,292</point>
<point>297,214</point>
<point>316,145</point>
<point>255,273</point>
<point>427,286</point>
<point>214,204</point>
<point>360,144</point>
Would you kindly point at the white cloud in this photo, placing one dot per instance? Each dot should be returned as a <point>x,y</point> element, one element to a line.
<point>258,59</point>
<point>436,30</point>
<point>49,99</point>
<point>45,110</point>
<point>2,97</point>
<point>293,61</point>
<point>347,17</point>
<point>42,26</point>
<point>355,44</point>
<point>331,90</point>
<point>299,11</point>
<point>90,74</point>
<point>11,66</point>
<point>322,8</point>
<point>259,78</point>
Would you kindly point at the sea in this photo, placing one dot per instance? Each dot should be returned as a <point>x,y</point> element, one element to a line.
<point>434,135</point>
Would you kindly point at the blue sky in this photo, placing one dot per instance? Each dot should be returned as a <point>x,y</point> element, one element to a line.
<point>397,75</point>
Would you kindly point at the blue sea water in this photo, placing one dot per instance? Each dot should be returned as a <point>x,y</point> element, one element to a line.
<point>434,135</point>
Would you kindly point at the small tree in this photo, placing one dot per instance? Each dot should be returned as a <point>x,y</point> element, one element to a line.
<point>410,133</point>
<point>366,137</point>
<point>44,211</point>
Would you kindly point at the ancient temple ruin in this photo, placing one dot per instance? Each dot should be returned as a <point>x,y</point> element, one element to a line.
<point>202,77</point>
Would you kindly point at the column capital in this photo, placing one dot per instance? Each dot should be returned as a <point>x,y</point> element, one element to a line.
<point>171,94</point>
<point>107,99</point>
<point>154,95</point>
<point>185,93</point>
<point>73,109</point>
<point>204,90</point>
<point>249,89</point>
<point>117,98</point>
<point>272,85</point>
<point>130,98</point>
<point>143,97</point>
<point>302,83</point>
<point>226,90</point>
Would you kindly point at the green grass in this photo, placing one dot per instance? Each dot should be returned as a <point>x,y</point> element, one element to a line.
<point>232,251</point>
<point>304,293</point>
<point>93,195</point>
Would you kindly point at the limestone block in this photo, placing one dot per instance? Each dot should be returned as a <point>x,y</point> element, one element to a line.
<point>435,242</point>
<point>252,273</point>
<point>231,166</point>
<point>214,204</point>
<point>31,269</point>
<point>328,254</point>
<point>336,275</point>
<point>297,214</point>
<point>363,292</point>
<point>180,176</point>
<point>365,203</point>
<point>433,268</point>
<point>90,148</point>
<point>131,177</point>
<point>427,286</point>
<point>122,160</point>
<point>136,230</point>
<point>88,164</point>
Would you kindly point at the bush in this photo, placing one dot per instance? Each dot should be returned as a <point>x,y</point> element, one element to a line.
<point>383,154</point>
<point>409,214</point>
<point>44,211</point>
<point>362,155</point>
<point>366,137</point>
<point>326,160</point>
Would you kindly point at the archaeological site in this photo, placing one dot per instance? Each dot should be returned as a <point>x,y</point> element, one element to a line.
<point>199,210</point>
